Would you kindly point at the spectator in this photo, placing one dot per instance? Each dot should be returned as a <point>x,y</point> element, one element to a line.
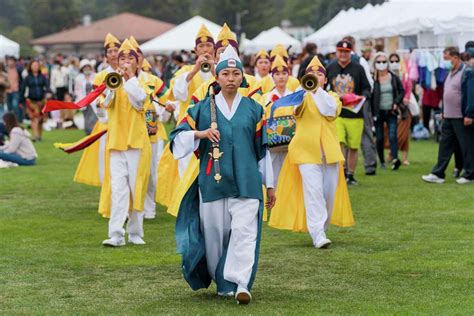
<point>59,80</point>
<point>346,76</point>
<point>4,84</point>
<point>13,92</point>
<point>387,98</point>
<point>368,143</point>
<point>82,87</point>
<point>452,130</point>
<point>405,117</point>
<point>19,149</point>
<point>37,85</point>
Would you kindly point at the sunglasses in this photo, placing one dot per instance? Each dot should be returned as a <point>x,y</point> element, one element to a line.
<point>381,62</point>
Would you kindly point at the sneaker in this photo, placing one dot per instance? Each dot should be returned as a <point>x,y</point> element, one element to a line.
<point>242,296</point>
<point>463,180</point>
<point>382,166</point>
<point>396,164</point>
<point>226,294</point>
<point>322,242</point>
<point>370,173</point>
<point>149,216</point>
<point>432,178</point>
<point>351,180</point>
<point>456,173</point>
<point>135,239</point>
<point>114,242</point>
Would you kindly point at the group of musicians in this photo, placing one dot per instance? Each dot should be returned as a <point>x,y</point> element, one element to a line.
<point>242,145</point>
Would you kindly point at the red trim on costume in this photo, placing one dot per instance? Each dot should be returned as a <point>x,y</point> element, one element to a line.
<point>255,91</point>
<point>160,89</point>
<point>53,105</point>
<point>195,100</point>
<point>258,133</point>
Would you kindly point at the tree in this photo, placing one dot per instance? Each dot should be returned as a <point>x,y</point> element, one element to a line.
<point>49,16</point>
<point>23,35</point>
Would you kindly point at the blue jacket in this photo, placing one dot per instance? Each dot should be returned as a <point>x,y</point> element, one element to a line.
<point>467,92</point>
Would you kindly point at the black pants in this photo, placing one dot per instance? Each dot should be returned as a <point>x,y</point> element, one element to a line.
<point>427,115</point>
<point>453,132</point>
<point>469,152</point>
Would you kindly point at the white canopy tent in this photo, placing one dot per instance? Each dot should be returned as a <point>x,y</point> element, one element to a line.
<point>433,21</point>
<point>269,39</point>
<point>9,47</point>
<point>180,37</point>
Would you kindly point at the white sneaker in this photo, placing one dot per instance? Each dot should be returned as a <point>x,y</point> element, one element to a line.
<point>322,241</point>
<point>463,180</point>
<point>226,294</point>
<point>432,178</point>
<point>243,295</point>
<point>149,216</point>
<point>115,241</point>
<point>135,239</point>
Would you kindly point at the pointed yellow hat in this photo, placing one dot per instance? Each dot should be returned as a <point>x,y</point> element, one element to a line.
<point>262,54</point>
<point>315,65</point>
<point>111,41</point>
<point>204,36</point>
<point>279,64</point>
<point>146,65</point>
<point>127,49</point>
<point>226,37</point>
<point>279,50</point>
<point>134,43</point>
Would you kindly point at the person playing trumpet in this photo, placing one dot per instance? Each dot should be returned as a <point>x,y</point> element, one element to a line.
<point>311,190</point>
<point>128,146</point>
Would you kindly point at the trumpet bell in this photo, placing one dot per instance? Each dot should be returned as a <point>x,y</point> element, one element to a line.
<point>205,67</point>
<point>113,80</point>
<point>309,82</point>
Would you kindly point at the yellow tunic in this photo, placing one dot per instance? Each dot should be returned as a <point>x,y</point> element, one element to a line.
<point>268,84</point>
<point>87,171</point>
<point>127,130</point>
<point>313,132</point>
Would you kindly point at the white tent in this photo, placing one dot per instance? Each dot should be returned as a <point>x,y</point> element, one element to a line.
<point>269,39</point>
<point>425,19</point>
<point>180,37</point>
<point>9,47</point>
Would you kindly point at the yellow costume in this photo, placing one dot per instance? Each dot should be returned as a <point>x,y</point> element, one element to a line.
<point>315,138</point>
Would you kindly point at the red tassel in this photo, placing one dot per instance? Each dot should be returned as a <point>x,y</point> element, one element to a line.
<point>53,105</point>
<point>209,167</point>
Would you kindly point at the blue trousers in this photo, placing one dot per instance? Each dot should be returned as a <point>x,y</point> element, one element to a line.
<point>391,120</point>
<point>16,159</point>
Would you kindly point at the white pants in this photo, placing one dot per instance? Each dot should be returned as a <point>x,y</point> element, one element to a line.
<point>150,205</point>
<point>102,146</point>
<point>278,157</point>
<point>218,219</point>
<point>319,189</point>
<point>183,164</point>
<point>123,173</point>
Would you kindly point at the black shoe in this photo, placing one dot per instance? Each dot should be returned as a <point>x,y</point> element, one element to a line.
<point>370,173</point>
<point>351,180</point>
<point>396,164</point>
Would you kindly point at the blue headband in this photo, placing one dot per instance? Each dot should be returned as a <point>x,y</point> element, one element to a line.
<point>229,63</point>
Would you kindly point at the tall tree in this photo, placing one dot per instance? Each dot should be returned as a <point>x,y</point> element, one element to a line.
<point>49,16</point>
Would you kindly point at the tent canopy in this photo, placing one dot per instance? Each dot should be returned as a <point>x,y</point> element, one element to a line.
<point>397,18</point>
<point>180,37</point>
<point>9,47</point>
<point>269,39</point>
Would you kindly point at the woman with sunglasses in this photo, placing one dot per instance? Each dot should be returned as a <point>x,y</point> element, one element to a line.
<point>387,97</point>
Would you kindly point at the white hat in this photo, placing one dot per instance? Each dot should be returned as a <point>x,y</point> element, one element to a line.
<point>83,63</point>
<point>229,59</point>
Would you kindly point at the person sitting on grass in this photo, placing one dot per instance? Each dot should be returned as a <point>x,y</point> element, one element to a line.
<point>19,149</point>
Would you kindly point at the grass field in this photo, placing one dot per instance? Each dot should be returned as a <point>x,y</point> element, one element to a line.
<point>411,251</point>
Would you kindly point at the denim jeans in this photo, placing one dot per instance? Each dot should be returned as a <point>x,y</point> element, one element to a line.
<point>391,120</point>
<point>13,100</point>
<point>16,159</point>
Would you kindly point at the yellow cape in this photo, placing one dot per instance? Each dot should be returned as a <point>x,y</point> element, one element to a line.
<point>290,213</point>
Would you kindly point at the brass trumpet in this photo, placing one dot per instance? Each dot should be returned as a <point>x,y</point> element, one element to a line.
<point>113,80</point>
<point>205,67</point>
<point>309,82</point>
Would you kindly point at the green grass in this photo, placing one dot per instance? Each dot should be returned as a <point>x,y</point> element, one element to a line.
<point>411,251</point>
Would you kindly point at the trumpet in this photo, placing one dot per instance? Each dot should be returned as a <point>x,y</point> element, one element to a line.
<point>205,67</point>
<point>309,82</point>
<point>113,80</point>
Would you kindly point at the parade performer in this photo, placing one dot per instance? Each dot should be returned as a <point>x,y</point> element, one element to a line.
<point>155,115</point>
<point>267,84</point>
<point>263,64</point>
<point>218,227</point>
<point>182,87</point>
<point>128,146</point>
<point>311,191</point>
<point>91,167</point>
<point>284,120</point>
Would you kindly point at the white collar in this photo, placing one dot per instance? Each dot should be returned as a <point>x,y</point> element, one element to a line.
<point>109,69</point>
<point>275,92</point>
<point>224,108</point>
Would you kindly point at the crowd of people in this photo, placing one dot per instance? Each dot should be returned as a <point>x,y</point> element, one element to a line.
<point>291,124</point>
